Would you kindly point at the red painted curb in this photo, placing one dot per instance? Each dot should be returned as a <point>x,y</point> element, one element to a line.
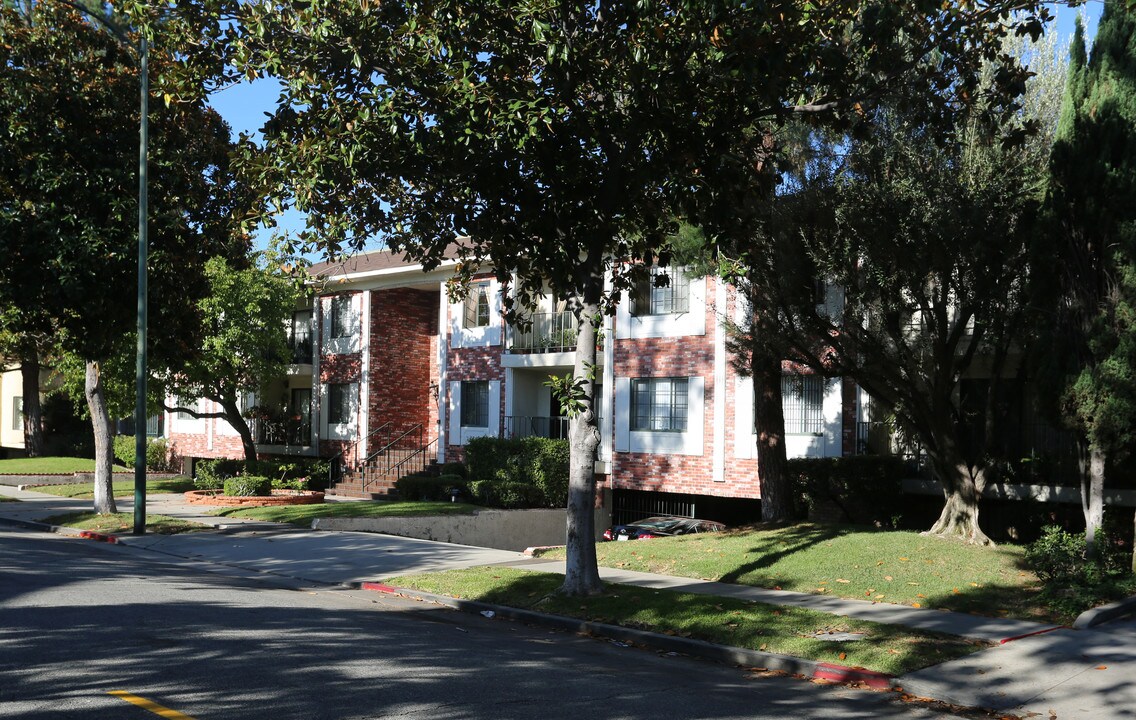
<point>1003,641</point>
<point>380,587</point>
<point>840,673</point>
<point>98,536</point>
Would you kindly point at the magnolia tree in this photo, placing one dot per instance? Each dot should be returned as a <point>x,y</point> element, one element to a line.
<point>559,141</point>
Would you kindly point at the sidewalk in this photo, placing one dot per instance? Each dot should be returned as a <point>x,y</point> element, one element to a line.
<point>1034,668</point>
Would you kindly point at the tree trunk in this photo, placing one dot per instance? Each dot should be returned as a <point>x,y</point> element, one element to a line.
<point>104,451</point>
<point>769,421</point>
<point>1092,499</point>
<point>32,410</point>
<point>233,417</point>
<point>581,572</point>
<point>961,492</point>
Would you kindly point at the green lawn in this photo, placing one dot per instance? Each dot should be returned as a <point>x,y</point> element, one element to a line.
<point>121,488</point>
<point>852,562</point>
<point>5,498</point>
<point>49,465</point>
<point>119,523</point>
<point>303,515</point>
<point>784,630</point>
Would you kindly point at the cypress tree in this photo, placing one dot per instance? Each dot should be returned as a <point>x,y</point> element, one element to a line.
<point>1092,205</point>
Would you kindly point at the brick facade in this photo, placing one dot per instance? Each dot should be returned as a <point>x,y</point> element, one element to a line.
<point>403,325</point>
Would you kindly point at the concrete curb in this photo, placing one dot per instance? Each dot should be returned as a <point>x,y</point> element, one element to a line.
<point>42,526</point>
<point>1095,616</point>
<point>656,641</point>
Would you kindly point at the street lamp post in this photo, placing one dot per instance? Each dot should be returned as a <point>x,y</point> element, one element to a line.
<point>143,250</point>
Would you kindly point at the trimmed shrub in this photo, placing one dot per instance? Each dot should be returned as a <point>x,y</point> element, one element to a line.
<point>518,472</point>
<point>507,494</point>
<point>248,485</point>
<point>157,452</point>
<point>429,487</point>
<point>864,489</point>
<point>455,468</point>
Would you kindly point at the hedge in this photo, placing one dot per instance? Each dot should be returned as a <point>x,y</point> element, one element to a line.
<point>429,487</point>
<point>864,489</point>
<point>518,472</point>
<point>157,452</point>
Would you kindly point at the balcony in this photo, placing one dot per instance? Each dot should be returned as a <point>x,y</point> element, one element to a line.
<point>284,432</point>
<point>520,426</point>
<point>300,349</point>
<point>546,332</point>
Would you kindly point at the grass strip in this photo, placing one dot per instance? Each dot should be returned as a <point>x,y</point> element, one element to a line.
<point>49,466</point>
<point>5,498</point>
<point>303,515</point>
<point>118,523</point>
<point>120,488</point>
<point>900,567</point>
<point>726,621</point>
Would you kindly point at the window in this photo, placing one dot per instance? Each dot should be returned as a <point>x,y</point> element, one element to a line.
<point>18,413</point>
<point>300,336</point>
<point>475,404</point>
<point>659,404</point>
<point>650,298</point>
<point>187,404</point>
<point>339,403</point>
<point>477,306</point>
<point>802,399</point>
<point>341,317</point>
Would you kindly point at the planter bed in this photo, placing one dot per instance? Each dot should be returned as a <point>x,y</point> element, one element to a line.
<point>278,497</point>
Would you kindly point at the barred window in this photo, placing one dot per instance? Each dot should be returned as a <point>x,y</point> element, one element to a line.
<point>649,298</point>
<point>802,399</point>
<point>477,306</point>
<point>475,404</point>
<point>659,404</point>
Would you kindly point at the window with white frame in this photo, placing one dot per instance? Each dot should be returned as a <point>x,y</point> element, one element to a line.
<point>185,404</point>
<point>665,291</point>
<point>475,404</point>
<point>659,404</point>
<point>802,400</point>
<point>477,306</point>
<point>340,403</point>
<point>18,413</point>
<point>342,319</point>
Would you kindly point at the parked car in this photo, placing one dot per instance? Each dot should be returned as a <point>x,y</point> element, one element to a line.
<point>654,527</point>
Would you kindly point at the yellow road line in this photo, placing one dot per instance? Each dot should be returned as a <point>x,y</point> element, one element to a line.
<point>149,705</point>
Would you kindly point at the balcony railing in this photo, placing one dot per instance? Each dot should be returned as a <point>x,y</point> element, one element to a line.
<point>545,333</point>
<point>520,426</point>
<point>300,348</point>
<point>281,432</point>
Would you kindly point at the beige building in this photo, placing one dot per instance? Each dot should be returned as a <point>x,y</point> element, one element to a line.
<point>11,411</point>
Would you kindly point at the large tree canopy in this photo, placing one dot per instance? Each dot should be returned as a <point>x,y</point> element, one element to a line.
<point>561,140</point>
<point>68,197</point>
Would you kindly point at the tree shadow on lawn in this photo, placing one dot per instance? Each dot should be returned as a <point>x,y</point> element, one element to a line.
<point>788,541</point>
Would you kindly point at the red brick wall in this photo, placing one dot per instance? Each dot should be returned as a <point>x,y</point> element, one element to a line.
<point>403,323</point>
<point>690,356</point>
<point>341,368</point>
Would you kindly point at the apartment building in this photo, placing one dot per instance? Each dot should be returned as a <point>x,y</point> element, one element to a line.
<point>389,374</point>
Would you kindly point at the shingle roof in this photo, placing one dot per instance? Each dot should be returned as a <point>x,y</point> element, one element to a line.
<point>371,261</point>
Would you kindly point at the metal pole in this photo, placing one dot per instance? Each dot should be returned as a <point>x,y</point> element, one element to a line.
<point>143,244</point>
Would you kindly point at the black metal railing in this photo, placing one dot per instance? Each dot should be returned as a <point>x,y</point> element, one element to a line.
<point>300,349</point>
<point>404,453</point>
<point>281,432</point>
<point>520,426</point>
<point>544,332</point>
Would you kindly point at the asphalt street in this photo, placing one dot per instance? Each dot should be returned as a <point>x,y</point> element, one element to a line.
<point>81,620</point>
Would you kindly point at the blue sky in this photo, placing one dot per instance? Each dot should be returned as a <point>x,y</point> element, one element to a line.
<point>246,105</point>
